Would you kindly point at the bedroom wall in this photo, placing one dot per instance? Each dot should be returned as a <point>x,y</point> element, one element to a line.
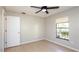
<point>73,16</point>
<point>32,27</point>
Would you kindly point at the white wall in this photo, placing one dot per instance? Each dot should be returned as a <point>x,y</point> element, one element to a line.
<point>1,29</point>
<point>32,27</point>
<point>73,15</point>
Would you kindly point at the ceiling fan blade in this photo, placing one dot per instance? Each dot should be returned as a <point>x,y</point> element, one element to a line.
<point>36,7</point>
<point>47,12</point>
<point>53,7</point>
<point>38,11</point>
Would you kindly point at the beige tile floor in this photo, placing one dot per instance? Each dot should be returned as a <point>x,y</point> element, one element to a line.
<point>39,46</point>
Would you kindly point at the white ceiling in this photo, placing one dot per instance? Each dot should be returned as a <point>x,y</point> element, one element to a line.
<point>31,11</point>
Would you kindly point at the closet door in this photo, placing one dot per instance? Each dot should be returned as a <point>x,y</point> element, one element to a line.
<point>13,31</point>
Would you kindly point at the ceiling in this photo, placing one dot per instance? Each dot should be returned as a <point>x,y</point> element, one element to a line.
<point>31,11</point>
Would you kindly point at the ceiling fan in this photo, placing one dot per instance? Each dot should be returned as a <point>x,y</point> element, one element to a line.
<point>44,8</point>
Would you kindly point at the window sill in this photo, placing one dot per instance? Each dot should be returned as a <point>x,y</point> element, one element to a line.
<point>63,39</point>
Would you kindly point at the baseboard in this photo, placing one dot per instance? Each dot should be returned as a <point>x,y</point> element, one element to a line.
<point>31,41</point>
<point>27,42</point>
<point>64,45</point>
<point>13,46</point>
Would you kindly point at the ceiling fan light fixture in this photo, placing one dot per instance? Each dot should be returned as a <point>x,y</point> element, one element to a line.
<point>44,10</point>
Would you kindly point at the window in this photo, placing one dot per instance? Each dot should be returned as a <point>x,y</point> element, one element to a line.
<point>62,30</point>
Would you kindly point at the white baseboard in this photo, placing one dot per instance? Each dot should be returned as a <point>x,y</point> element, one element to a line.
<point>31,41</point>
<point>12,46</point>
<point>64,45</point>
<point>27,42</point>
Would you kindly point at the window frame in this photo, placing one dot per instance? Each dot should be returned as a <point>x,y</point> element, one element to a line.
<point>56,32</point>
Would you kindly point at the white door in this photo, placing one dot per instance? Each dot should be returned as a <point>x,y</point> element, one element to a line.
<point>13,31</point>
